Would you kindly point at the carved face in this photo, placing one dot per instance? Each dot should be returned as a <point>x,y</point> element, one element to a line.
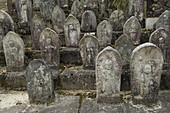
<point>133,33</point>
<point>48,41</point>
<point>108,64</point>
<point>70,26</point>
<point>161,40</point>
<point>147,69</point>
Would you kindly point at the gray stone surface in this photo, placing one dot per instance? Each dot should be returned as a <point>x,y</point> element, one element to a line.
<point>104,33</point>
<point>78,79</point>
<point>16,80</point>
<point>40,85</point>
<point>36,5</point>
<point>89,48</point>
<point>90,4</point>
<point>146,68</point>
<point>62,104</point>
<point>70,56</point>
<point>63,3</point>
<point>46,8</point>
<point>77,9</point>
<point>91,106</point>
<point>72,31</point>
<point>132,28</point>
<point>117,19</point>
<point>136,8</point>
<point>124,46</point>
<point>150,22</point>
<point>164,21</point>
<point>50,47</point>
<point>108,75</point>
<point>161,38</point>
<point>88,21</point>
<point>6,25</point>
<point>37,26</point>
<point>14,51</point>
<point>103,6</point>
<point>58,18</point>
<point>24,11</point>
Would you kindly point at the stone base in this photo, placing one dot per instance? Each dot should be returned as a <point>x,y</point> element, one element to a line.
<point>144,101</point>
<point>70,56</point>
<point>16,80</point>
<point>78,79</point>
<point>109,100</point>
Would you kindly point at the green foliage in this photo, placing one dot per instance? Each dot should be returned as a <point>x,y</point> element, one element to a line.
<point>120,4</point>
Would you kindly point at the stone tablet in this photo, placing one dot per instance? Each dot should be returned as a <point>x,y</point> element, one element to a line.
<point>103,5</point>
<point>72,31</point>
<point>14,51</point>
<point>88,22</point>
<point>40,85</point>
<point>164,21</point>
<point>146,67</point>
<point>132,28</point>
<point>37,26</point>
<point>104,33</point>
<point>46,8</point>
<point>24,11</point>
<point>63,3</point>
<point>161,38</point>
<point>50,47</point>
<point>136,8</point>
<point>108,75</point>
<point>6,25</point>
<point>117,19</point>
<point>77,9</point>
<point>58,18</point>
<point>89,48</point>
<point>124,46</point>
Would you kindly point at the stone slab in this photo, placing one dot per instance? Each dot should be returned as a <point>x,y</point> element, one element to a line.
<point>150,22</point>
<point>78,78</point>
<point>70,56</point>
<point>91,106</point>
<point>62,104</point>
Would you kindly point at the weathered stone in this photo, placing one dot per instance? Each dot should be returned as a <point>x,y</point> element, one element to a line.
<point>117,19</point>
<point>124,46</point>
<point>132,28</point>
<point>88,22</point>
<point>24,11</point>
<point>136,8</point>
<point>104,33</point>
<point>12,10</point>
<point>40,85</point>
<point>150,22</point>
<point>164,21</point>
<point>90,4</point>
<point>70,56</point>
<point>146,67</point>
<point>36,5</point>
<point>89,48</point>
<point>108,75</point>
<point>37,26</point>
<point>58,18</point>
<point>46,8</point>
<point>77,79</point>
<point>14,51</point>
<point>154,8</point>
<point>50,47</point>
<point>103,5</point>
<point>72,31</point>
<point>63,3</point>
<point>161,38</point>
<point>16,80</point>
<point>77,9</point>
<point>6,25</point>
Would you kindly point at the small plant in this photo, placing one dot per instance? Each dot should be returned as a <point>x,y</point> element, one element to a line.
<point>120,4</point>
